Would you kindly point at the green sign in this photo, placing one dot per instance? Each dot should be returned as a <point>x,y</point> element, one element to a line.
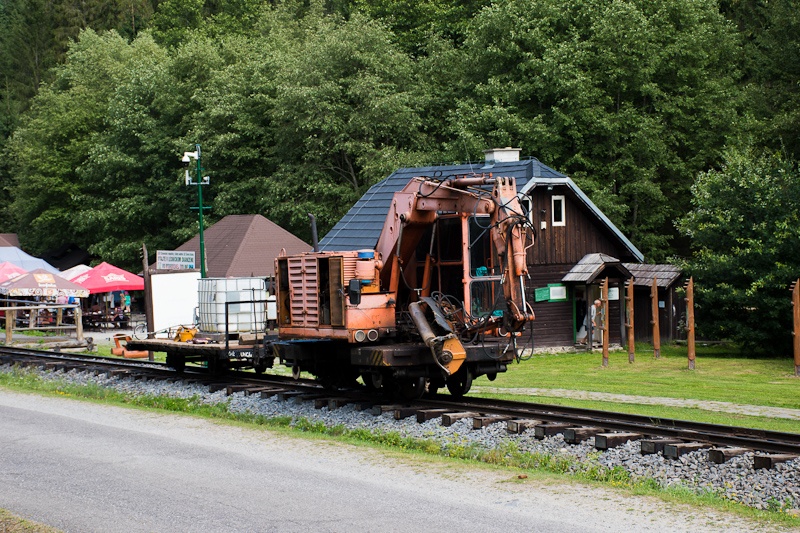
<point>543,294</point>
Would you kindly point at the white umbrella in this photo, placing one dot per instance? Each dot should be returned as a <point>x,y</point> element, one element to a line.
<point>12,254</point>
<point>74,272</point>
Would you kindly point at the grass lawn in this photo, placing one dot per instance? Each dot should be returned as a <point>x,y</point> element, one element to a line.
<point>717,376</point>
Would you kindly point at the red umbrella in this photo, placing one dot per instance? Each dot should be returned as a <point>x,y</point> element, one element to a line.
<point>108,278</point>
<point>10,270</point>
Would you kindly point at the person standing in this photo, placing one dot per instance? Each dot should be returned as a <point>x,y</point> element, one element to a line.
<point>593,319</point>
<point>597,322</point>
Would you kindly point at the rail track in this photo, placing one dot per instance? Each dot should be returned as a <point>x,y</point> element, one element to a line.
<point>672,438</point>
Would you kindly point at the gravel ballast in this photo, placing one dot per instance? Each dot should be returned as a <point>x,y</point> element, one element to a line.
<point>736,480</point>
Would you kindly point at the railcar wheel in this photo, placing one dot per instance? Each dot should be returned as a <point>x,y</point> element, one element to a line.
<point>296,371</point>
<point>176,362</point>
<point>459,383</point>
<point>260,368</point>
<point>376,380</point>
<point>216,365</point>
<point>434,384</point>
<point>372,381</point>
<point>411,388</point>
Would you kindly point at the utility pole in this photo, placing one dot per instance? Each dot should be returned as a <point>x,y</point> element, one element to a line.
<point>200,181</point>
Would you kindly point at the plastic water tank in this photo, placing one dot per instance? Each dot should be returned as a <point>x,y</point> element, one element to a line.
<point>246,300</point>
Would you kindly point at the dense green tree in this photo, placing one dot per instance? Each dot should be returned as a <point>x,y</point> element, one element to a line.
<point>301,105</point>
<point>344,116</point>
<point>302,116</point>
<point>179,21</point>
<point>630,97</point>
<point>131,188</point>
<point>413,23</point>
<point>34,37</point>
<point>770,33</point>
<point>54,140</point>
<point>745,226</point>
<point>320,109</point>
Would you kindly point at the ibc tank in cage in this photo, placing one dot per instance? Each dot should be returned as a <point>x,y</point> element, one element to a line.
<point>246,299</point>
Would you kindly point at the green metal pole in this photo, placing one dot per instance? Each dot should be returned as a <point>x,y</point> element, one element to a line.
<point>200,212</point>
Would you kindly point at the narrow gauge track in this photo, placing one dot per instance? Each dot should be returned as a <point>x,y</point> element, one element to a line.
<point>669,436</point>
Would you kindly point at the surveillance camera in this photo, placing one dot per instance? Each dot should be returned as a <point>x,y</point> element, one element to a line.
<point>187,155</point>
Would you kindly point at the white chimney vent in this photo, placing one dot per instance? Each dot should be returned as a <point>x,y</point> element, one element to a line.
<point>502,155</point>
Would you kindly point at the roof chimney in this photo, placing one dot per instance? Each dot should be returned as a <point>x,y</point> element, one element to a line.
<point>501,155</point>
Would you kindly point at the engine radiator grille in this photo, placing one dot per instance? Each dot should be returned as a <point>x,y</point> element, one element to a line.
<point>304,285</point>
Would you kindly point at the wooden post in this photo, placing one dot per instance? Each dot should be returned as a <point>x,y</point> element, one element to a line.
<point>148,298</point>
<point>796,332</point>
<point>604,329</point>
<point>621,298</point>
<point>629,320</point>
<point>654,319</point>
<point>78,323</point>
<point>690,322</point>
<point>11,318</point>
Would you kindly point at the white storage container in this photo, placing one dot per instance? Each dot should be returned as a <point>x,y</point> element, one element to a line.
<point>246,299</point>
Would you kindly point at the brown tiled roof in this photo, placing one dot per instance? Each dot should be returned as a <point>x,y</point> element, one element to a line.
<point>243,246</point>
<point>665,275</point>
<point>9,239</point>
<point>593,266</point>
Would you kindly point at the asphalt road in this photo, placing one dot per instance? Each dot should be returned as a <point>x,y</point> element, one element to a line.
<point>82,467</point>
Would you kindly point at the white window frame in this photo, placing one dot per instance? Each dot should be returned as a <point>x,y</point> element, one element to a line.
<point>562,199</point>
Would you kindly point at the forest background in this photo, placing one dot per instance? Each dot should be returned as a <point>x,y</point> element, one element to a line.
<point>679,118</point>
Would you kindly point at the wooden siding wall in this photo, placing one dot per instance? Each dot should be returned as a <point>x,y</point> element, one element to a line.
<point>669,317</point>
<point>553,324</point>
<point>554,320</point>
<point>567,244</point>
<point>556,251</point>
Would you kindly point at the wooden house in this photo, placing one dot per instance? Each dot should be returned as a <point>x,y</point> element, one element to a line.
<point>576,247</point>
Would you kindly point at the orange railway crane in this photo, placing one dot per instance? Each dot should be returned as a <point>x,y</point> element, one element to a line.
<point>438,302</point>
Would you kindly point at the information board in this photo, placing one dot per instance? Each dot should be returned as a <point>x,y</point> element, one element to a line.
<point>174,260</point>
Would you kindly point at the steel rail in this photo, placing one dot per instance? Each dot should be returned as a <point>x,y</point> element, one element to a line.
<point>716,434</point>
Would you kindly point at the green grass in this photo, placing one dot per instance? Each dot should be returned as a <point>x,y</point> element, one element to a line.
<point>11,523</point>
<point>717,376</point>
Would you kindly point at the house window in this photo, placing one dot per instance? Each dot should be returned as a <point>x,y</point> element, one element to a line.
<point>559,218</point>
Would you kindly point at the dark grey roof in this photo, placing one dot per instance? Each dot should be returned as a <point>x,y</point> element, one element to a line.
<point>361,226</point>
<point>644,274</point>
<point>593,266</point>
